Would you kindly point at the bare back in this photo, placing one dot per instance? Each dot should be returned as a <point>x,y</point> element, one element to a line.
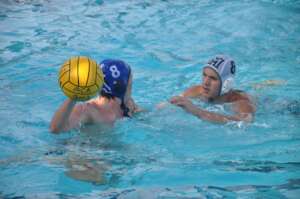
<point>94,112</point>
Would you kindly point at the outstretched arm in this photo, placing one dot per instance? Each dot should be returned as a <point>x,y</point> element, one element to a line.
<point>66,117</point>
<point>193,92</point>
<point>243,111</point>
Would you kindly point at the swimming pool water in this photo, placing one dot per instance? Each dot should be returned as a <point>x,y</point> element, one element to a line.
<point>160,153</point>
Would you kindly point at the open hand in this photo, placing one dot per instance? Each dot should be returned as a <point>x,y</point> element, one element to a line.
<point>181,101</point>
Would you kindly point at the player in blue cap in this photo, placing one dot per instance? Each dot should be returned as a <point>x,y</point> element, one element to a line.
<point>114,101</point>
<point>217,87</point>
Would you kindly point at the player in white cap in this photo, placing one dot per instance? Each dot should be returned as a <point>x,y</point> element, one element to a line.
<point>217,81</point>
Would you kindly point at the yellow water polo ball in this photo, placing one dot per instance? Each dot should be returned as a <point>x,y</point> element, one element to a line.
<point>80,78</point>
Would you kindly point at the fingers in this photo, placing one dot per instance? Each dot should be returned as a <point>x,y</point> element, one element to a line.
<point>179,100</point>
<point>175,99</point>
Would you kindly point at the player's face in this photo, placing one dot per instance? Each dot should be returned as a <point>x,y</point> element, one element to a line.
<point>211,83</point>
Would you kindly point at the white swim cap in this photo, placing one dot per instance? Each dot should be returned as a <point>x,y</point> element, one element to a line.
<point>225,68</point>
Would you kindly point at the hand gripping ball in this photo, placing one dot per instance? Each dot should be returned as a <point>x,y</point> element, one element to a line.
<point>80,78</point>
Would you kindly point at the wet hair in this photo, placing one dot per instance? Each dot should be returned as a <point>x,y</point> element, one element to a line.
<point>124,108</point>
<point>106,95</point>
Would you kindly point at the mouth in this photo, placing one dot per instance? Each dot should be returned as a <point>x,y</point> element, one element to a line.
<point>206,90</point>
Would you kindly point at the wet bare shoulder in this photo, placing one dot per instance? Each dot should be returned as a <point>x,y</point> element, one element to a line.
<point>194,91</point>
<point>238,95</point>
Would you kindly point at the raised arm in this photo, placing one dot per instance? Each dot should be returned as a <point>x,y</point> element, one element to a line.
<point>68,116</point>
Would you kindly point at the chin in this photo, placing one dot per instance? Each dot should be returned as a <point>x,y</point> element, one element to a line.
<point>208,95</point>
<point>212,96</point>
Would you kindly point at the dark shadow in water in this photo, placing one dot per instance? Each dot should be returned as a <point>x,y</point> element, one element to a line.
<point>279,106</point>
<point>258,166</point>
<point>243,191</point>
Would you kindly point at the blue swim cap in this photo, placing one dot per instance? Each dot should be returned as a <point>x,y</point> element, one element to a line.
<point>224,66</point>
<point>116,77</point>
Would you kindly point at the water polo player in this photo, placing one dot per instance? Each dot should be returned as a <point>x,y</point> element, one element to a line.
<point>217,81</point>
<point>114,101</point>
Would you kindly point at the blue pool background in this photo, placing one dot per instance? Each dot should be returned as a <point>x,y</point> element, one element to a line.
<point>161,153</point>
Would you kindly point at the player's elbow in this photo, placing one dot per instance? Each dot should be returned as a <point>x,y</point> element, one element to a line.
<point>248,117</point>
<point>54,128</point>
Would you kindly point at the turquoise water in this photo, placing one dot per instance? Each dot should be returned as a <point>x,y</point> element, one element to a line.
<point>161,153</point>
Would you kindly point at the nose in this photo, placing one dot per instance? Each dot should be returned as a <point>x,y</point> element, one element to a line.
<point>206,81</point>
